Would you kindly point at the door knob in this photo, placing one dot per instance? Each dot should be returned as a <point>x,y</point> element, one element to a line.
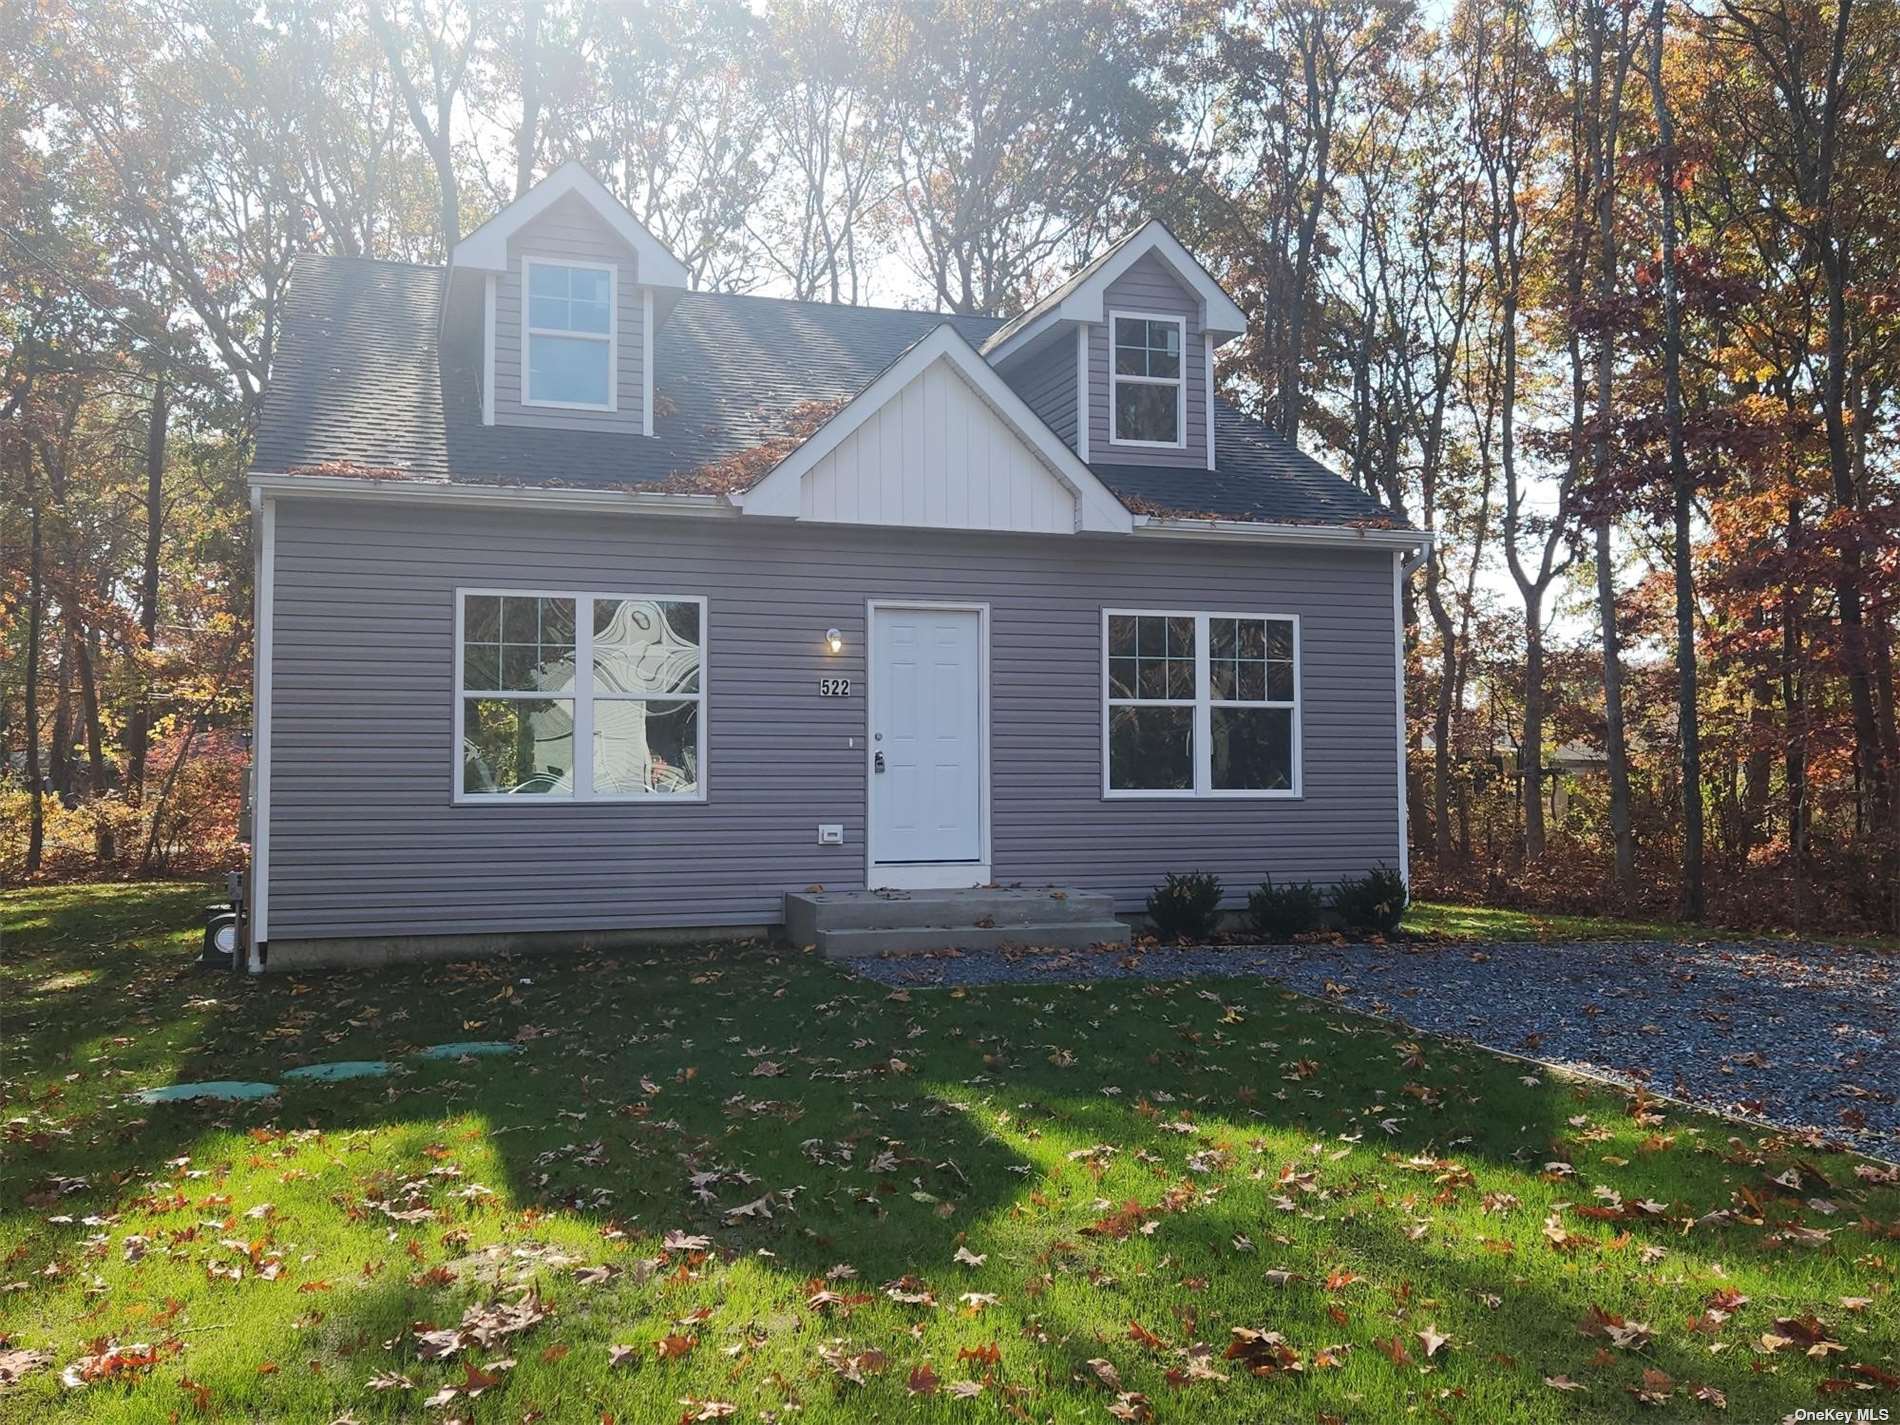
<point>877,763</point>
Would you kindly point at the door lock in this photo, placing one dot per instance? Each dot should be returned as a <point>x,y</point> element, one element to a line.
<point>877,763</point>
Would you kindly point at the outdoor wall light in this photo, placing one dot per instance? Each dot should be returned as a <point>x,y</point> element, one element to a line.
<point>834,641</point>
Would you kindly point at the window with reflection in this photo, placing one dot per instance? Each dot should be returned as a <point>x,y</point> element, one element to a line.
<point>1201,704</point>
<point>591,697</point>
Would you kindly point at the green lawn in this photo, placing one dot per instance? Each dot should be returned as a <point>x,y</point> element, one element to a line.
<point>749,1185</point>
<point>1476,922</point>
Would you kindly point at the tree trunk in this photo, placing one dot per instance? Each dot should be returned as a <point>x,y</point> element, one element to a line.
<point>1604,132</point>
<point>35,618</point>
<point>95,748</point>
<point>138,728</point>
<point>59,755</point>
<point>1795,751</point>
<point>527,137</point>
<point>1531,753</point>
<point>1688,734</point>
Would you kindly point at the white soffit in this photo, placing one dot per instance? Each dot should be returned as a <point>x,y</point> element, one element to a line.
<point>939,441</point>
<point>486,248</point>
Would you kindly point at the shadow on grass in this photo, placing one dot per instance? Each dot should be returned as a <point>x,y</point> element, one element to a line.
<point>879,1130</point>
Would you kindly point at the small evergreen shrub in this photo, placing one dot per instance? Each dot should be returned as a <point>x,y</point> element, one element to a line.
<point>1374,901</point>
<point>1281,912</point>
<point>1186,905</point>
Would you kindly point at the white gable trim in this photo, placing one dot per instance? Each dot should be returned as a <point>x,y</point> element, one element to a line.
<point>487,247</point>
<point>1221,317</point>
<point>1096,508</point>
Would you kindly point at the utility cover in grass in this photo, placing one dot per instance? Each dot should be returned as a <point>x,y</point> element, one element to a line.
<point>475,1048</point>
<point>226,1090</point>
<point>346,1069</point>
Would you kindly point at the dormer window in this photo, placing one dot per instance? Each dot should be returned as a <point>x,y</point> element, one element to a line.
<point>1148,395</point>
<point>569,334</point>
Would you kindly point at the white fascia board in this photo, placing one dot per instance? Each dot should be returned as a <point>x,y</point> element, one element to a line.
<point>1222,318</point>
<point>470,496</point>
<point>1097,509</point>
<point>1263,532</point>
<point>487,247</point>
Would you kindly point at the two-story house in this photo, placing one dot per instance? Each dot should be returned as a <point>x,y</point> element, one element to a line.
<point>593,608</point>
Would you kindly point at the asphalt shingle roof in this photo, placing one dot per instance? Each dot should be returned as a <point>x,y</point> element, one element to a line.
<point>361,380</point>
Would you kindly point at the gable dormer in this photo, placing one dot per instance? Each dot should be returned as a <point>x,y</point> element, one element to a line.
<point>1119,359</point>
<point>572,285</point>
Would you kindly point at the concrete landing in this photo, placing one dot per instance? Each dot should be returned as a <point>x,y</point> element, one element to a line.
<point>851,924</point>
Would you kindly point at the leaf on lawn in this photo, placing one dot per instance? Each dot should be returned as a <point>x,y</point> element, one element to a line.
<point>1143,1336</point>
<point>1132,1407</point>
<point>1106,1373</point>
<point>1656,1388</point>
<point>1393,1349</point>
<point>669,1348</point>
<point>1262,1353</point>
<point>968,1258</point>
<point>922,1381</point>
<point>1432,1341</point>
<point>1563,1383</point>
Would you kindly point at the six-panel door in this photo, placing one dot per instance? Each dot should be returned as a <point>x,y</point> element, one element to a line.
<point>926,735</point>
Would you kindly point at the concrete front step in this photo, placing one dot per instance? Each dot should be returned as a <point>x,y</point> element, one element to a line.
<point>809,912</point>
<point>1057,935</point>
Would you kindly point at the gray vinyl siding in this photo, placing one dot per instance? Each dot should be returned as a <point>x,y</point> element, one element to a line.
<point>570,229</point>
<point>365,841</point>
<point>1046,380</point>
<point>1149,286</point>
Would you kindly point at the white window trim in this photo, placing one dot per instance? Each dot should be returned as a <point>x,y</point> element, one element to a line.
<point>1203,704</point>
<point>612,337</point>
<point>1179,383</point>
<point>582,697</point>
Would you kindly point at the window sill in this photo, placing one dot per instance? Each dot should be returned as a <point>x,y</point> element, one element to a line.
<point>606,410</point>
<point>1149,444</point>
<point>506,799</point>
<point>1208,796</point>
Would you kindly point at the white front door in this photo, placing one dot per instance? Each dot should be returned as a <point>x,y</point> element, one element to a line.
<point>927,775</point>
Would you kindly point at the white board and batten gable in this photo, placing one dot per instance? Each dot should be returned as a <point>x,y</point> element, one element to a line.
<point>939,441</point>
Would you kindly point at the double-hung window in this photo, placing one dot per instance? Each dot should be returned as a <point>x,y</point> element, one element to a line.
<point>1199,704</point>
<point>580,697</point>
<point>1147,391</point>
<point>569,335</point>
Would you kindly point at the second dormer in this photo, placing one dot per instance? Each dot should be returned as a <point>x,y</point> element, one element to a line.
<point>572,286</point>
<point>1120,358</point>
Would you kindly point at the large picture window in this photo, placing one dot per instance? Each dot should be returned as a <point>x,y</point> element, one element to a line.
<point>569,333</point>
<point>1147,390</point>
<point>1199,704</point>
<point>580,697</point>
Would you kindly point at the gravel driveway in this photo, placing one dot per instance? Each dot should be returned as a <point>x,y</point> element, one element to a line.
<point>1798,1035</point>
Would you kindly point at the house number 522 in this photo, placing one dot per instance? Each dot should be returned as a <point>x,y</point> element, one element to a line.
<point>834,687</point>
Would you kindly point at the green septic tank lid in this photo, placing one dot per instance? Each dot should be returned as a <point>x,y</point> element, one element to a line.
<point>474,1048</point>
<point>344,1069</point>
<point>226,1090</point>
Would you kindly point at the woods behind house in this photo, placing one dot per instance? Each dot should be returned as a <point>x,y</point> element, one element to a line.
<point>1605,294</point>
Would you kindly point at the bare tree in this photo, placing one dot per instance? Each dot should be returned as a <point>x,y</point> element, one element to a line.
<point>1507,103</point>
<point>1688,728</point>
<point>445,55</point>
<point>1609,38</point>
<point>830,124</point>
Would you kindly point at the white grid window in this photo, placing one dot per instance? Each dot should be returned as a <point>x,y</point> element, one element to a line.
<point>1200,705</point>
<point>579,697</point>
<point>569,334</point>
<point>1147,384</point>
